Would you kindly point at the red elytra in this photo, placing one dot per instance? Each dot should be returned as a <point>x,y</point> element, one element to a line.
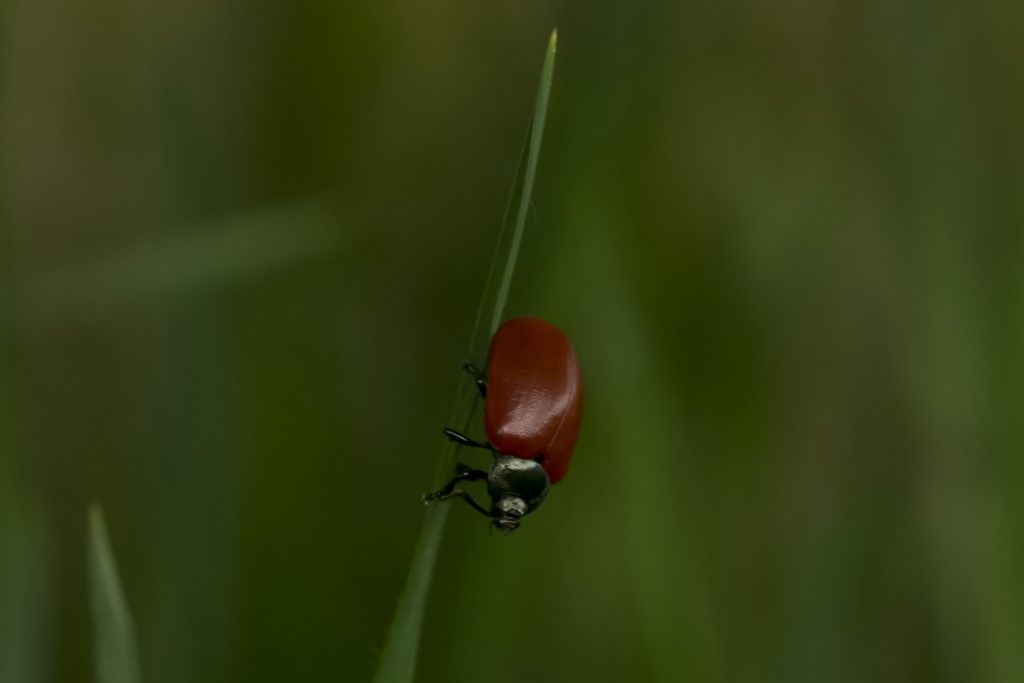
<point>534,394</point>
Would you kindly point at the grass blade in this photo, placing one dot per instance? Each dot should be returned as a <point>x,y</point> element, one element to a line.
<point>398,658</point>
<point>116,658</point>
<point>540,114</point>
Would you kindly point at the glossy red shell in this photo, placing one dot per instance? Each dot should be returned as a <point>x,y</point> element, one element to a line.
<point>534,394</point>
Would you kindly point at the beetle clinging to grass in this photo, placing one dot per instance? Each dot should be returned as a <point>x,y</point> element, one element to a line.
<point>533,402</point>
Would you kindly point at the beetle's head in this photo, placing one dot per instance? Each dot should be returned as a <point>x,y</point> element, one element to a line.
<point>517,486</point>
<point>507,511</point>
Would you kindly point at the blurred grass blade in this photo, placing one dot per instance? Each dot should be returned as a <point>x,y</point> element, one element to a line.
<point>116,659</point>
<point>398,658</point>
<point>195,259</point>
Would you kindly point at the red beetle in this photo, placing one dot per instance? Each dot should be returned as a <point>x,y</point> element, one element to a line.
<point>533,401</point>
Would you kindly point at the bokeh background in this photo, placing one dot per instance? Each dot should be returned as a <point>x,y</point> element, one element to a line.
<point>243,245</point>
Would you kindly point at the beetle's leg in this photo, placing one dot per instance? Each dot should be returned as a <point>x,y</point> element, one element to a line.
<point>462,473</point>
<point>459,493</point>
<point>463,440</point>
<point>478,377</point>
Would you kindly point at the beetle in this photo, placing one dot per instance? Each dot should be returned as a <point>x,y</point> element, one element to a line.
<point>533,403</point>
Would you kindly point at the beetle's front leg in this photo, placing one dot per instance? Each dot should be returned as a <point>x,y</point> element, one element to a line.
<point>464,495</point>
<point>462,473</point>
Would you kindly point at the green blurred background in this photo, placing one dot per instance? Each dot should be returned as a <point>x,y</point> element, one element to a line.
<point>243,245</point>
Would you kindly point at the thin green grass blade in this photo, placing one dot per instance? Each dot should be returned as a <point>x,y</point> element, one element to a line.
<point>116,658</point>
<point>536,135</point>
<point>398,657</point>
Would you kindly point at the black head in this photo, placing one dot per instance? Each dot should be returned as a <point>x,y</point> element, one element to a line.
<point>517,487</point>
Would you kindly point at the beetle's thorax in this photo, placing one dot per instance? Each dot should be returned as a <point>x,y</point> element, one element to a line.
<point>517,487</point>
